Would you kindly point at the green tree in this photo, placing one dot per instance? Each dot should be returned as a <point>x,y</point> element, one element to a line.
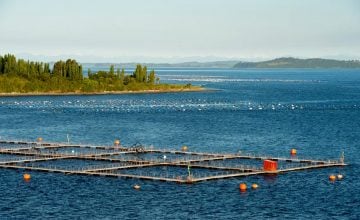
<point>137,73</point>
<point>143,74</point>
<point>32,70</point>
<point>10,64</point>
<point>111,70</point>
<point>47,68</point>
<point>2,65</point>
<point>127,80</point>
<point>151,77</point>
<point>122,75</point>
<point>59,69</point>
<point>22,68</point>
<point>70,70</point>
<point>118,73</point>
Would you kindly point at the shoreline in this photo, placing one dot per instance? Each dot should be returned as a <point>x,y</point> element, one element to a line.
<point>200,89</point>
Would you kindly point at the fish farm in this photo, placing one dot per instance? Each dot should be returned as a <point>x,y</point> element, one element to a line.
<point>146,163</point>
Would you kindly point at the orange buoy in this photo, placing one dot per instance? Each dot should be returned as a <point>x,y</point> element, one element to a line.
<point>332,177</point>
<point>117,142</point>
<point>184,148</point>
<point>27,177</point>
<point>189,179</point>
<point>293,152</point>
<point>242,187</point>
<point>254,186</point>
<point>340,176</point>
<point>136,186</point>
<point>39,139</point>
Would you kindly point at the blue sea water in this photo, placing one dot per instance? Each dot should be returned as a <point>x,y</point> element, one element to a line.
<point>263,111</point>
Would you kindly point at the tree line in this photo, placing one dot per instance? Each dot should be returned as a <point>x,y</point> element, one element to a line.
<point>19,75</point>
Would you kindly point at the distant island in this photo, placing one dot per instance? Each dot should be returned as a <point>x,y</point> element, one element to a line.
<point>290,62</point>
<point>18,76</point>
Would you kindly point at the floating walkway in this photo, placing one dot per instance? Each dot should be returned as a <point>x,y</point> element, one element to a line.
<point>146,163</point>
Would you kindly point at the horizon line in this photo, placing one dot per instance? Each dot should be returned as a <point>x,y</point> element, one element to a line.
<point>166,60</point>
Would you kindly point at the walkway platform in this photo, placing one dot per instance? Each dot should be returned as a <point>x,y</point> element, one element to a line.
<point>144,163</point>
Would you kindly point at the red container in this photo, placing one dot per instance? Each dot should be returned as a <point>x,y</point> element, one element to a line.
<point>270,165</point>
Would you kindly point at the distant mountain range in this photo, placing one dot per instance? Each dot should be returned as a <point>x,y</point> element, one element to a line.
<point>285,62</point>
<point>290,62</point>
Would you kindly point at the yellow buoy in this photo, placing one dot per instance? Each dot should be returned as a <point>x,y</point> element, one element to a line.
<point>254,186</point>
<point>293,152</point>
<point>340,176</point>
<point>332,177</point>
<point>184,148</point>
<point>242,187</point>
<point>39,139</point>
<point>27,177</point>
<point>117,142</point>
<point>136,186</point>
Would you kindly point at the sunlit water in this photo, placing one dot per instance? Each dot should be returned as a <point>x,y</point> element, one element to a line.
<point>259,111</point>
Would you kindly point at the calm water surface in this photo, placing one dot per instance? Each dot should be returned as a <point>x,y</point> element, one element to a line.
<point>260,111</point>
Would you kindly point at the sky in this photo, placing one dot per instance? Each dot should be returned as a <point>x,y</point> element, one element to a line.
<point>179,30</point>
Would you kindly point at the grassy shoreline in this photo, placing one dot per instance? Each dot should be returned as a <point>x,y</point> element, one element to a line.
<point>125,92</point>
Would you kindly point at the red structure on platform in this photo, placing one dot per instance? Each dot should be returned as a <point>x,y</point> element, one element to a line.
<point>270,165</point>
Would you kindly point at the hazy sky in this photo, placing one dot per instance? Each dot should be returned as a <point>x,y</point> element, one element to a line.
<point>156,30</point>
